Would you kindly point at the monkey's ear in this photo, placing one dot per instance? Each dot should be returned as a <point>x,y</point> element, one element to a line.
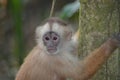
<point>38,32</point>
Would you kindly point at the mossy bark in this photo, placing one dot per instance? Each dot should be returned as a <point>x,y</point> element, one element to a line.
<point>99,20</point>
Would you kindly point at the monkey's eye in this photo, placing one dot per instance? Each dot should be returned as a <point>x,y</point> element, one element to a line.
<point>55,38</point>
<point>47,38</point>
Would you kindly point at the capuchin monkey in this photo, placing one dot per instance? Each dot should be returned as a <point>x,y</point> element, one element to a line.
<point>53,58</point>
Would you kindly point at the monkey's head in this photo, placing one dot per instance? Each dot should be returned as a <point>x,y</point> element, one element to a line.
<point>53,35</point>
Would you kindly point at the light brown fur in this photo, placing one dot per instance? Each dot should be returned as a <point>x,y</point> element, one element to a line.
<point>40,66</point>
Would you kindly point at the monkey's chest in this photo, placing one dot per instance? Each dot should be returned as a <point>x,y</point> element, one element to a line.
<point>46,76</point>
<point>43,73</point>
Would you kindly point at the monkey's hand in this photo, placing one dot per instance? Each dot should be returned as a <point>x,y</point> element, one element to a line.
<point>116,39</point>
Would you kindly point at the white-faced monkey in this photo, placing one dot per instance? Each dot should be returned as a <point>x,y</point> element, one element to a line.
<point>53,58</point>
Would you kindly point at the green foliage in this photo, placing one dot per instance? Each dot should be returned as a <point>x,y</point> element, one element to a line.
<point>70,9</point>
<point>16,9</point>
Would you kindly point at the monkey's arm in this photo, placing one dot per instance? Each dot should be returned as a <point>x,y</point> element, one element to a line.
<point>95,59</point>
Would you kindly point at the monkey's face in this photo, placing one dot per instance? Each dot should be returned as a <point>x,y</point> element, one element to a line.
<point>51,41</point>
<point>53,37</point>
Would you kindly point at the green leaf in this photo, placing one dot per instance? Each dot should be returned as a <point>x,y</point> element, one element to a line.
<point>16,9</point>
<point>70,9</point>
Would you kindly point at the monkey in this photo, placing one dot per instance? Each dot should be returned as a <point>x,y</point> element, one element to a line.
<point>53,58</point>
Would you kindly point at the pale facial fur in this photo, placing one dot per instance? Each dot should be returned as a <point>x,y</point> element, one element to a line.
<point>40,31</point>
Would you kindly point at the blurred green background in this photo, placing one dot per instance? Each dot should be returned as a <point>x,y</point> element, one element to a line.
<point>97,20</point>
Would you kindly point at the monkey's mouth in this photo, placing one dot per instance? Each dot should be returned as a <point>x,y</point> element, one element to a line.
<point>51,50</point>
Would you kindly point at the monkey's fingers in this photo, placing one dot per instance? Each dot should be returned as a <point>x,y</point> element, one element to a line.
<point>116,38</point>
